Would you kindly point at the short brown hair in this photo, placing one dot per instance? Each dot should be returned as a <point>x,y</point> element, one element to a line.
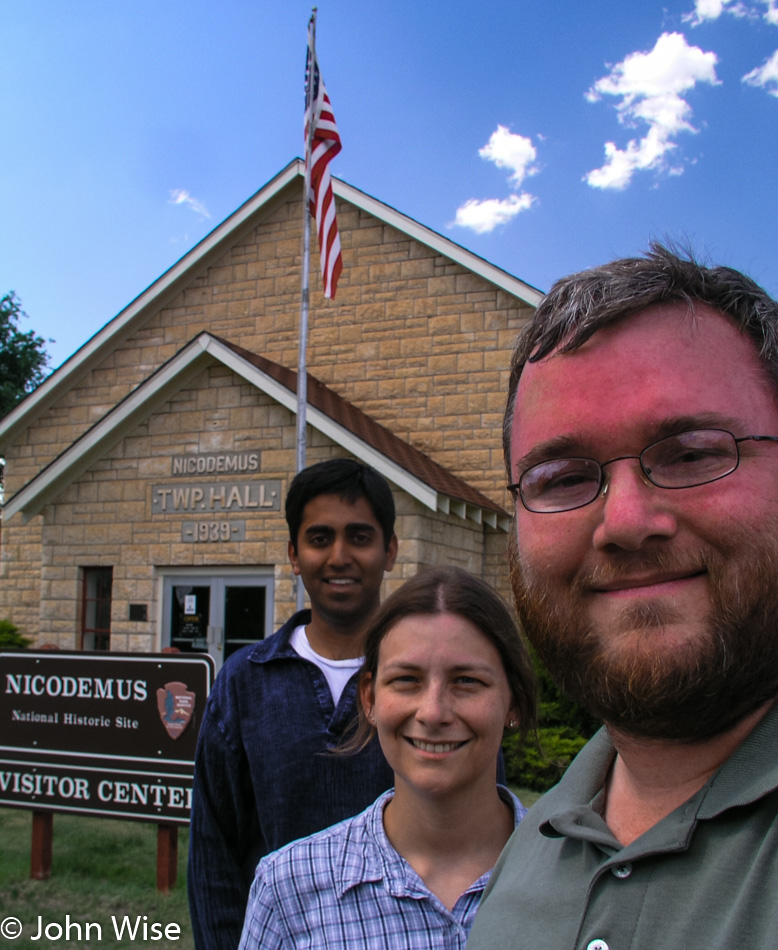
<point>578,306</point>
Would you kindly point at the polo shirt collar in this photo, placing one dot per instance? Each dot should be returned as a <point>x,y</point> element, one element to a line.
<point>750,773</point>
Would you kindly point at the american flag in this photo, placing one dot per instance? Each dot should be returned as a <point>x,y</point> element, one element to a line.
<point>324,143</point>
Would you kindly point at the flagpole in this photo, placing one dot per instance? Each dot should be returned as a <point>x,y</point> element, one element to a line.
<point>302,371</point>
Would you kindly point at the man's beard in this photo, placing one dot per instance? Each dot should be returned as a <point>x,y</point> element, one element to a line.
<point>687,692</point>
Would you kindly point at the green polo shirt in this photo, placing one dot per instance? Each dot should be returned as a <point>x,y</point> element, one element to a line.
<point>703,878</point>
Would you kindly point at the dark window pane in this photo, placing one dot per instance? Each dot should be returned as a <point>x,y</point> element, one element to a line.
<point>244,617</point>
<point>96,608</point>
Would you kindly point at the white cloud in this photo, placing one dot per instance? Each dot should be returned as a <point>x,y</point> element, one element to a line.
<point>649,86</point>
<point>508,150</point>
<point>713,9</point>
<point>515,153</point>
<point>765,75</point>
<point>485,216</point>
<point>181,197</point>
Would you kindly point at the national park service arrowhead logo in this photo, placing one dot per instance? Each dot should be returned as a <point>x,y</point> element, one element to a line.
<point>176,706</point>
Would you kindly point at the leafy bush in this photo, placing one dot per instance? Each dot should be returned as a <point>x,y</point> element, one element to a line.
<point>10,638</point>
<point>563,729</point>
<point>540,766</point>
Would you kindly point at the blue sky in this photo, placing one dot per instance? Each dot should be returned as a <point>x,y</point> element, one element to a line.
<point>544,136</point>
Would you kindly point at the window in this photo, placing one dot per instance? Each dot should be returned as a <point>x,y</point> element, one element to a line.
<point>96,608</point>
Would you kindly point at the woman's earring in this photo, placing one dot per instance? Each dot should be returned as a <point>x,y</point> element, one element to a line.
<point>512,724</point>
<point>371,718</point>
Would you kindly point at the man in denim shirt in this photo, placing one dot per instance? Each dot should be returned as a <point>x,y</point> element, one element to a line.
<point>264,773</point>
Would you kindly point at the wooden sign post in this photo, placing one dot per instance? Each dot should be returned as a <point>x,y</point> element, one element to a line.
<point>40,852</point>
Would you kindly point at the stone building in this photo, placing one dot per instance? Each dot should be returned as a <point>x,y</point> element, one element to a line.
<point>145,478</point>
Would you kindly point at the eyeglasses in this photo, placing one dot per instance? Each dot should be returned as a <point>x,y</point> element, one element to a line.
<point>680,461</point>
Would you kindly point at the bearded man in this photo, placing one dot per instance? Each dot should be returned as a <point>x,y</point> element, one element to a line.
<point>641,440</point>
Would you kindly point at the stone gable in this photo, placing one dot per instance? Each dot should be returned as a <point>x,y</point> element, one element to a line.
<point>414,339</point>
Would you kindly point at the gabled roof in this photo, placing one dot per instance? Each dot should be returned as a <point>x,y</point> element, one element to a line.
<point>400,463</point>
<point>212,246</point>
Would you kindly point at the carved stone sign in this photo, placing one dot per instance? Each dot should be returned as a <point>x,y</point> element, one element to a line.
<point>214,529</point>
<point>110,734</point>
<point>215,463</point>
<point>216,497</point>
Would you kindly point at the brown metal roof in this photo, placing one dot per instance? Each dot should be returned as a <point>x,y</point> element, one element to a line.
<point>368,430</point>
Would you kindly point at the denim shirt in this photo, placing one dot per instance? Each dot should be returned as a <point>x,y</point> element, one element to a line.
<point>263,776</point>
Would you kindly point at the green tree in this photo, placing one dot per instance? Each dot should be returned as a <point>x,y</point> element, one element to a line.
<point>11,638</point>
<point>23,357</point>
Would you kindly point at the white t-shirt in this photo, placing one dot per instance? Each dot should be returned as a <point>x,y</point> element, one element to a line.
<point>337,672</point>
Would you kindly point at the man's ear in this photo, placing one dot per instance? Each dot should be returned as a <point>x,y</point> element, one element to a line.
<point>391,553</point>
<point>293,558</point>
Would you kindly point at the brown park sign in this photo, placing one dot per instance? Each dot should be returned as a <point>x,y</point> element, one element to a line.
<point>111,734</point>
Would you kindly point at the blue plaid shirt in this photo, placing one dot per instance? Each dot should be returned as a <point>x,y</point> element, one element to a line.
<point>348,887</point>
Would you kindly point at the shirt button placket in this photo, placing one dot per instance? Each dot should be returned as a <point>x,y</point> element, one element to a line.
<point>622,872</point>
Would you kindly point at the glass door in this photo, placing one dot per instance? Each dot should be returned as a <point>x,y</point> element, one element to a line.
<point>216,614</point>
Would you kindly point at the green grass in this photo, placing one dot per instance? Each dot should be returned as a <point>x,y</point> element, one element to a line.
<point>526,796</point>
<point>100,868</point>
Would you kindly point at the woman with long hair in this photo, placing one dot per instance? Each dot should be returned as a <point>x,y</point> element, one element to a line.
<point>445,675</point>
